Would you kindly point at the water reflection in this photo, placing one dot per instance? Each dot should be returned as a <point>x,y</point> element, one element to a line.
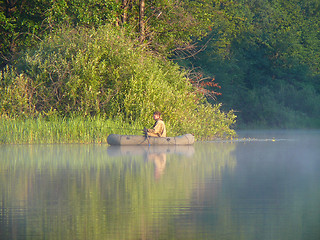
<point>187,150</point>
<point>243,190</point>
<point>99,192</point>
<point>155,154</point>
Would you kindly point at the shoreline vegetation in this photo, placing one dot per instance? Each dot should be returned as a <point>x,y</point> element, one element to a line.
<point>57,130</point>
<point>73,70</point>
<point>42,130</point>
<point>79,85</point>
<point>64,130</point>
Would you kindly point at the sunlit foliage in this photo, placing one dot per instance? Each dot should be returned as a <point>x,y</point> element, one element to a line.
<point>104,73</point>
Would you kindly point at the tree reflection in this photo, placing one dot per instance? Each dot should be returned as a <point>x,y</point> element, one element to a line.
<point>207,191</point>
<point>95,192</point>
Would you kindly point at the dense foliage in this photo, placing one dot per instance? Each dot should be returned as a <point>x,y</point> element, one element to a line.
<point>265,56</point>
<point>162,25</point>
<point>104,73</point>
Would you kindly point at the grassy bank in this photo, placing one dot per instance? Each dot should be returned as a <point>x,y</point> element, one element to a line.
<point>79,129</point>
<point>61,130</point>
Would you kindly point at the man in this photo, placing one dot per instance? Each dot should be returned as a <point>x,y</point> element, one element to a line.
<point>158,129</point>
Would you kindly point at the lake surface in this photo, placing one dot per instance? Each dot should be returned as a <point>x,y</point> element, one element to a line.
<point>266,185</point>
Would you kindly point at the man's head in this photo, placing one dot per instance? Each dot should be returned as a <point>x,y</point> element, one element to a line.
<point>156,115</point>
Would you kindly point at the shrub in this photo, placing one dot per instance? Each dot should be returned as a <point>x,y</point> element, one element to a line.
<point>91,72</point>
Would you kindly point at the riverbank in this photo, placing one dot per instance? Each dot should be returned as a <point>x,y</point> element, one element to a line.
<point>61,130</point>
<point>52,129</point>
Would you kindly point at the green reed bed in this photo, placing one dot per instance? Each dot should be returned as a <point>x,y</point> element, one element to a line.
<point>62,130</point>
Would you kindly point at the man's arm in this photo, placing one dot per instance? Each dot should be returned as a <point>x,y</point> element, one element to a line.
<point>156,130</point>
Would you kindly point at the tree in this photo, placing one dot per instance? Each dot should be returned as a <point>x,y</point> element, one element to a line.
<point>102,72</point>
<point>265,56</point>
<point>166,26</point>
<point>20,26</point>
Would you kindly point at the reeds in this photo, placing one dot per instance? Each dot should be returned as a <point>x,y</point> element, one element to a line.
<point>62,130</point>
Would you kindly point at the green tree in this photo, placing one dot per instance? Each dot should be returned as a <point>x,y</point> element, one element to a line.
<point>260,51</point>
<point>103,72</point>
<point>20,26</point>
<point>164,26</point>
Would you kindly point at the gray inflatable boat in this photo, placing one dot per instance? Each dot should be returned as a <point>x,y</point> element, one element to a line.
<point>116,139</point>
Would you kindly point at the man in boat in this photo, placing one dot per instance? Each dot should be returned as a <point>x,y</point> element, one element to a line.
<point>158,129</point>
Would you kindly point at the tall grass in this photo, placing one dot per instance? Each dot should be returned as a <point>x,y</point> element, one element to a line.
<point>62,130</point>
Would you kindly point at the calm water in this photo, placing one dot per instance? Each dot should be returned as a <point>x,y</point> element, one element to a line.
<point>265,186</point>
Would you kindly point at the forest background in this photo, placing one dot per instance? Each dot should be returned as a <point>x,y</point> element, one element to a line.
<point>196,61</point>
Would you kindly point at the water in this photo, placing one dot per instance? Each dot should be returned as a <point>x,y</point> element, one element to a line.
<point>263,186</point>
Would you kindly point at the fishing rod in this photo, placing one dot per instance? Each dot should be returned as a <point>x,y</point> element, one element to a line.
<point>130,129</point>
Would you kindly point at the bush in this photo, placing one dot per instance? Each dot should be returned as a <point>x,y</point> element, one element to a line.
<point>91,72</point>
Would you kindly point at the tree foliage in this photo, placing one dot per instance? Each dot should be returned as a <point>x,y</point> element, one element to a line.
<point>255,50</point>
<point>20,26</point>
<point>166,26</point>
<point>265,56</point>
<point>103,72</point>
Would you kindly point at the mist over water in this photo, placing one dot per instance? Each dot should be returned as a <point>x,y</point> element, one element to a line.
<point>265,185</point>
